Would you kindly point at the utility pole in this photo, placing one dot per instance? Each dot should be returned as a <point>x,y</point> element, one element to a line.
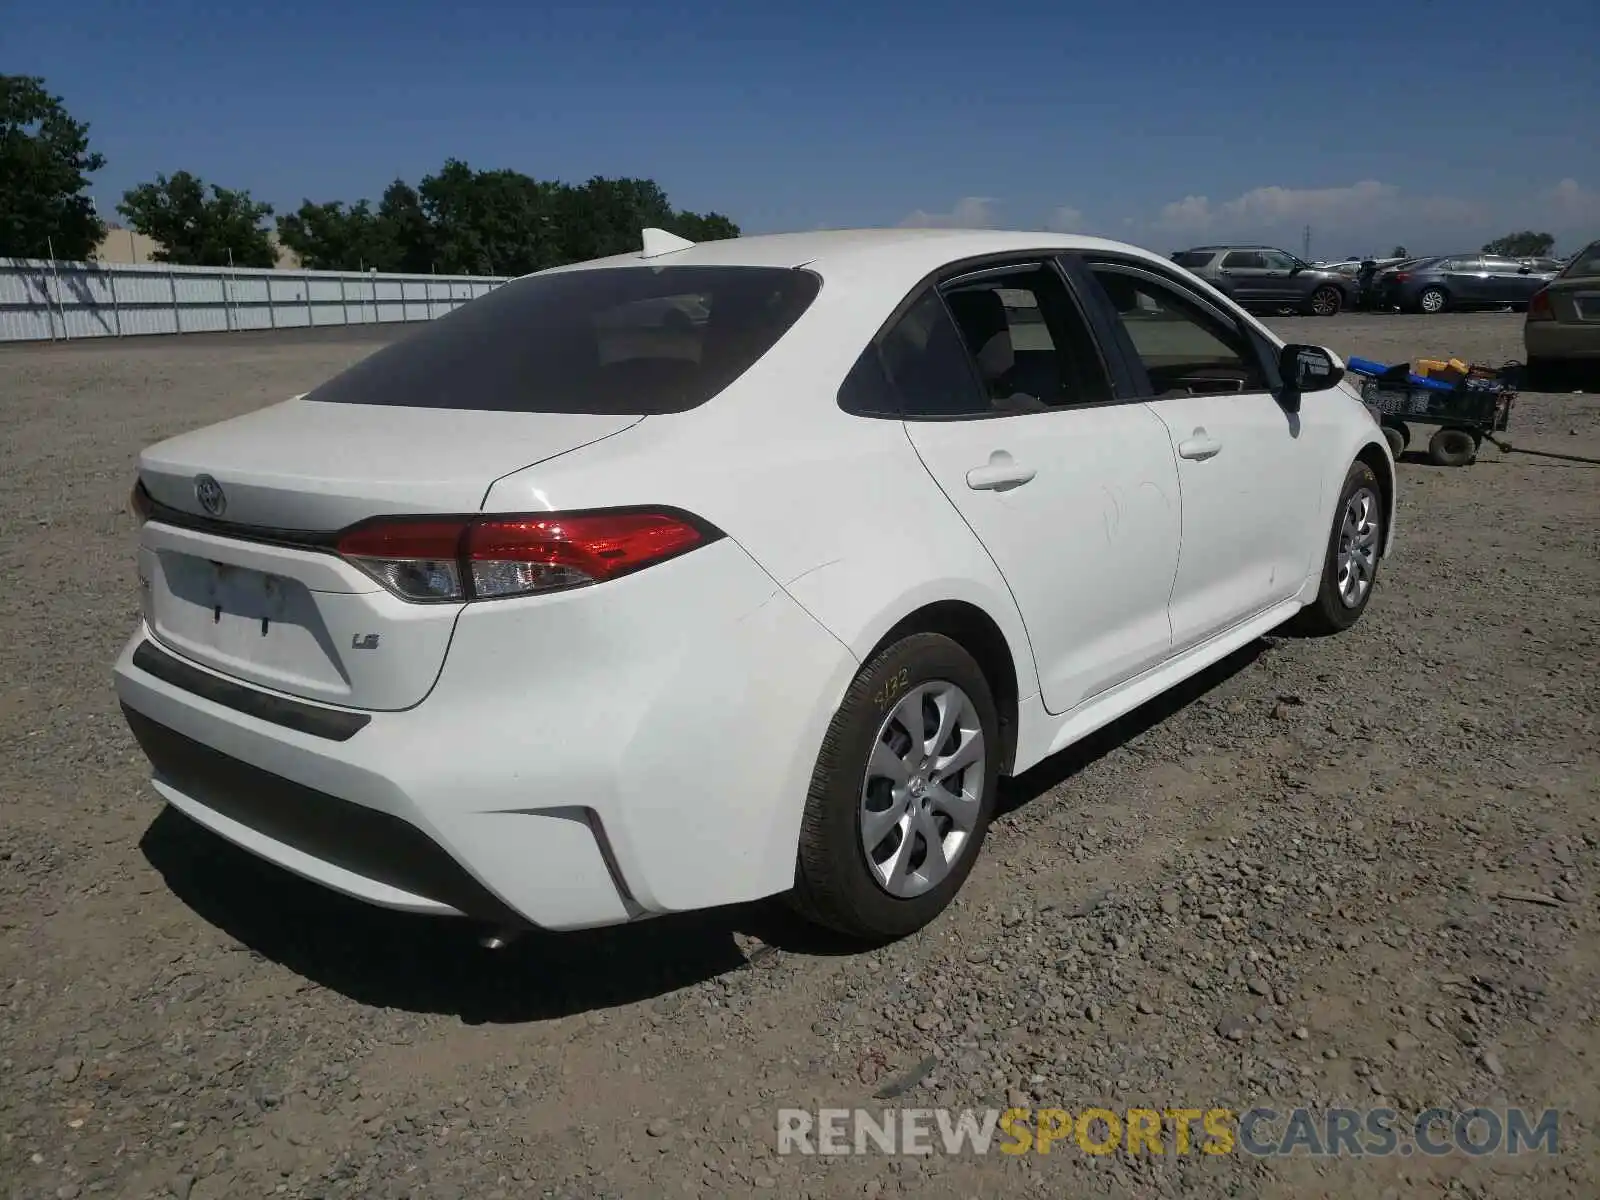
<point>1305,244</point>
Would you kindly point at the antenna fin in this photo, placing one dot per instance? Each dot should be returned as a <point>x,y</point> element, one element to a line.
<point>658,242</point>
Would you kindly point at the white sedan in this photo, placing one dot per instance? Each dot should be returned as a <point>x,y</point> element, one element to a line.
<point>722,571</point>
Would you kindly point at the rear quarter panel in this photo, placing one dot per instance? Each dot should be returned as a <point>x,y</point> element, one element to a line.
<point>838,509</point>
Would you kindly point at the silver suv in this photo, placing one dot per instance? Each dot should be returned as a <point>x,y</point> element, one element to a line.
<point>1266,277</point>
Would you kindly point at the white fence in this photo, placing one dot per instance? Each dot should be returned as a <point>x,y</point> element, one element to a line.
<point>54,301</point>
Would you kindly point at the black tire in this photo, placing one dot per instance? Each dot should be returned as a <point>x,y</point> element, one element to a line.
<point>1452,448</point>
<point>1326,301</point>
<point>1434,296</point>
<point>1328,613</point>
<point>1541,374</point>
<point>834,885</point>
<point>1396,439</point>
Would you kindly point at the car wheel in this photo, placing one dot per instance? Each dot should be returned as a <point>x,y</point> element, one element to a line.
<point>1541,374</point>
<point>1432,300</point>
<point>1326,302</point>
<point>1396,439</point>
<point>1350,565</point>
<point>902,793</point>
<point>1452,448</point>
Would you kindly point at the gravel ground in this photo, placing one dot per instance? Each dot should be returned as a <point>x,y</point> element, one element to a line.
<point>1359,871</point>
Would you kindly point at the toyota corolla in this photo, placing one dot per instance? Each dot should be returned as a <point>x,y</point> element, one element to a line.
<point>724,571</point>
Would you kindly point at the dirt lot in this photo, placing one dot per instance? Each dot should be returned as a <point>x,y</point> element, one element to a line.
<point>1287,886</point>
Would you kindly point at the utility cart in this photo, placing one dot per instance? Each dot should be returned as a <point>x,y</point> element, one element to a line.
<point>1466,403</point>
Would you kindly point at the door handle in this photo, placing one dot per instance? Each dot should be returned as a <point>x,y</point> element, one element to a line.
<point>1199,446</point>
<point>1002,474</point>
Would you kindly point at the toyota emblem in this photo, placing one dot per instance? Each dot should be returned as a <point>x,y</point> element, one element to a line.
<point>209,492</point>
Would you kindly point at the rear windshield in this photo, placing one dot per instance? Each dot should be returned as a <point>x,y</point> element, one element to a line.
<point>1192,258</point>
<point>1587,262</point>
<point>613,341</point>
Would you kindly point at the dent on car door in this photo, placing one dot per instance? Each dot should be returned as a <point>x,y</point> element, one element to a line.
<point>1073,495</point>
<point>1249,478</point>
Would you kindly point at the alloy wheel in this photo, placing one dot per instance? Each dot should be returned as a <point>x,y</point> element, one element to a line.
<point>923,789</point>
<point>1358,546</point>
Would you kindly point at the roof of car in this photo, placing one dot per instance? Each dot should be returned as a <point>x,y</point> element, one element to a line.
<point>899,248</point>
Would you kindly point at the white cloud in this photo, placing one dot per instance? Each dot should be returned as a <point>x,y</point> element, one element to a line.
<point>1570,203</point>
<point>1342,219</point>
<point>1274,207</point>
<point>970,212</point>
<point>1066,219</point>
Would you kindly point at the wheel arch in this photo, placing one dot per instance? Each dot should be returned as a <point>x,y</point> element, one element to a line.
<point>976,632</point>
<point>1376,456</point>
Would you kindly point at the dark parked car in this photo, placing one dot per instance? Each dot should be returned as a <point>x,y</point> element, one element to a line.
<point>1373,271</point>
<point>1563,323</point>
<point>1266,277</point>
<point>1432,285</point>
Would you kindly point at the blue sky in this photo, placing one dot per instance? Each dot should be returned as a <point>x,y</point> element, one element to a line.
<point>1435,123</point>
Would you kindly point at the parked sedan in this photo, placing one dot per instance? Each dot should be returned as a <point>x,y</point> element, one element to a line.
<point>1269,278</point>
<point>1563,322</point>
<point>558,614</point>
<point>1433,285</point>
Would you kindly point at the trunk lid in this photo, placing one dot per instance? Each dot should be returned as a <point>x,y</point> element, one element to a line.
<point>306,465</point>
<point>248,590</point>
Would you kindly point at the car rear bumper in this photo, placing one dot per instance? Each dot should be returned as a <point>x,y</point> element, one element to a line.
<point>585,759</point>
<point>1555,339</point>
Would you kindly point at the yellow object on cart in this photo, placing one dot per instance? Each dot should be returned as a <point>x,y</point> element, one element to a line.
<point>1452,370</point>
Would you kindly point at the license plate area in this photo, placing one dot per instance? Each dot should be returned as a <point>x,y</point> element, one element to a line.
<point>1588,305</point>
<point>243,621</point>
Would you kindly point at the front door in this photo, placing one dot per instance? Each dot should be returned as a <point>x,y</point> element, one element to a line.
<point>1280,284</point>
<point>1250,480</point>
<point>1073,494</point>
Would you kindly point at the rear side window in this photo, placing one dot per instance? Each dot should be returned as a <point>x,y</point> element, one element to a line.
<point>613,341</point>
<point>1244,260</point>
<point>1192,258</point>
<point>924,360</point>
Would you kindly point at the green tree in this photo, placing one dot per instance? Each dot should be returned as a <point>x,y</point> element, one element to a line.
<point>197,229</point>
<point>491,222</point>
<point>703,227</point>
<point>331,237</point>
<point>44,163</point>
<point>605,216</point>
<point>501,222</point>
<point>408,228</point>
<point>1525,244</point>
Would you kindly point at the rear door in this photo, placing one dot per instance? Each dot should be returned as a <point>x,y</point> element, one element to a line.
<point>1072,491</point>
<point>1246,274</point>
<point>1468,280</point>
<point>1250,482</point>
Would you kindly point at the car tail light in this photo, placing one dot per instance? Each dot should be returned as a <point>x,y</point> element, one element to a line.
<point>438,560</point>
<point>1539,306</point>
<point>1400,276</point>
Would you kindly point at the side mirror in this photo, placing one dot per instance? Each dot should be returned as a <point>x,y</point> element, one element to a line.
<point>1307,369</point>
<point>1524,269</point>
